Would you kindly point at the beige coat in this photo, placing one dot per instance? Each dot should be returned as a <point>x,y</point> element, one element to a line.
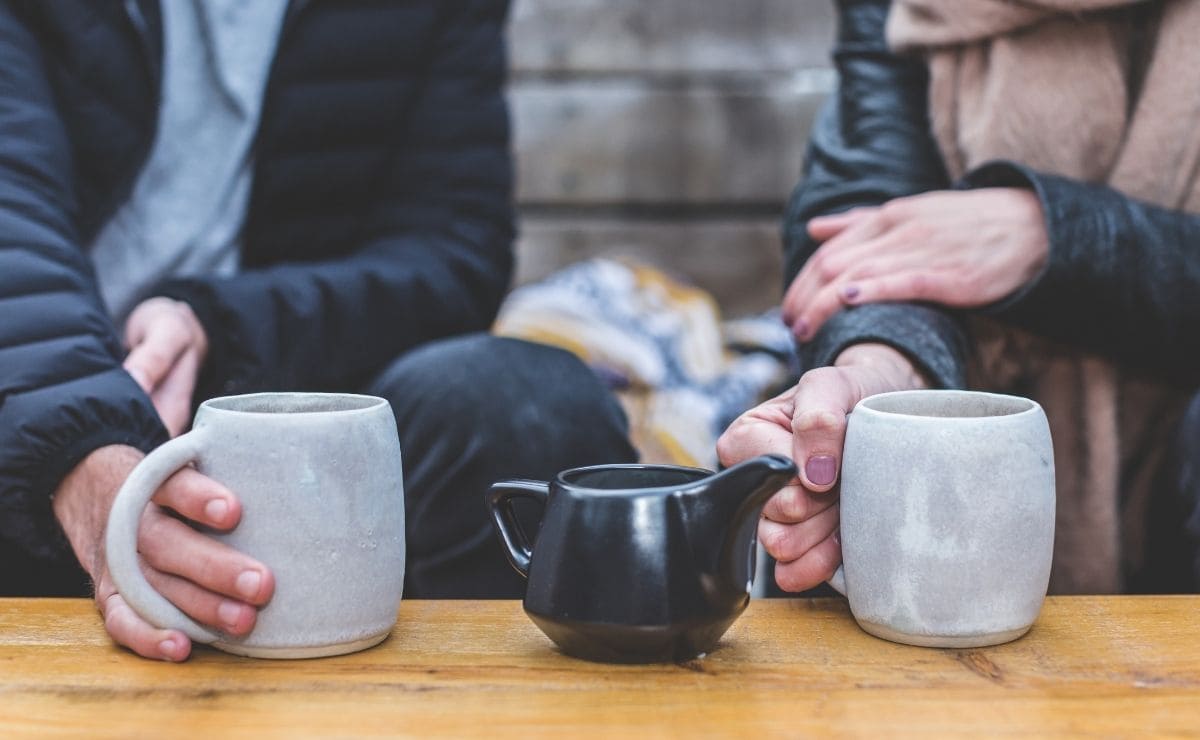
<point>1057,86</point>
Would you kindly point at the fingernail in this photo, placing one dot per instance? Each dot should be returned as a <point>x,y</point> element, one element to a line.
<point>850,292</point>
<point>168,648</point>
<point>216,509</point>
<point>229,612</point>
<point>248,583</point>
<point>820,469</point>
<point>800,328</point>
<point>837,537</point>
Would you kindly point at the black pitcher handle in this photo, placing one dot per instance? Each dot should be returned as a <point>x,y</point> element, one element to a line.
<point>516,542</point>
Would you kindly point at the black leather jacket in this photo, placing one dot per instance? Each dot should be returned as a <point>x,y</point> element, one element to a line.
<point>1122,278</point>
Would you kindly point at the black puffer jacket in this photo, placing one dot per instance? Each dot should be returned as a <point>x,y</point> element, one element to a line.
<point>1123,277</point>
<point>380,218</point>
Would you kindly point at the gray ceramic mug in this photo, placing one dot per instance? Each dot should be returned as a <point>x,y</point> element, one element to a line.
<point>947,516</point>
<point>320,482</point>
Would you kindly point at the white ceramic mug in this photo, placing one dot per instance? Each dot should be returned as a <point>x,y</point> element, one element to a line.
<point>947,516</point>
<point>320,482</point>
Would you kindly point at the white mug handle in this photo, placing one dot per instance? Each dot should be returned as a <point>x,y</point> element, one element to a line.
<point>838,580</point>
<point>120,544</point>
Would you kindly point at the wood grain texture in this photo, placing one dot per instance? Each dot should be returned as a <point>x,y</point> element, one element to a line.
<point>738,261</point>
<point>669,36</point>
<point>1091,666</point>
<point>605,143</point>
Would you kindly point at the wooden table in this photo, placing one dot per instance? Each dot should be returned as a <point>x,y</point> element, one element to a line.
<point>1110,666</point>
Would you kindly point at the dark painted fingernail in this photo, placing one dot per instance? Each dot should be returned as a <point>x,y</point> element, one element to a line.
<point>821,469</point>
<point>850,292</point>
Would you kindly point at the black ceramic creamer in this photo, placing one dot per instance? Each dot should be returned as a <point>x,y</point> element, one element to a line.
<point>639,563</point>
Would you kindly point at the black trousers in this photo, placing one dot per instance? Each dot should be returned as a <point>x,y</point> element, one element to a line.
<point>473,410</point>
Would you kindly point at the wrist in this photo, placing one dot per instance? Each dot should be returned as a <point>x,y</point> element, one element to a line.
<point>82,500</point>
<point>891,369</point>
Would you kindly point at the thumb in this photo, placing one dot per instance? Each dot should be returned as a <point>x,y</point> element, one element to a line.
<point>823,399</point>
<point>150,361</point>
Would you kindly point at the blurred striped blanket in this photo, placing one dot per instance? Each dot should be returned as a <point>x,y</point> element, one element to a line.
<point>681,373</point>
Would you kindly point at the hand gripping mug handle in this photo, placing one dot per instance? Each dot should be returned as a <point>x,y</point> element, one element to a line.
<point>516,542</point>
<point>120,542</point>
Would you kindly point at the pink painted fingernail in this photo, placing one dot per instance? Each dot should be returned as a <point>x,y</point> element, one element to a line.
<point>850,292</point>
<point>820,469</point>
<point>248,582</point>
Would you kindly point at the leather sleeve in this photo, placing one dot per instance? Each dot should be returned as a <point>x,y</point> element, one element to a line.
<point>1122,277</point>
<point>872,143</point>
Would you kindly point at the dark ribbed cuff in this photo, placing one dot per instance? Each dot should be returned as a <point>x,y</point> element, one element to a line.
<point>934,340</point>
<point>1005,174</point>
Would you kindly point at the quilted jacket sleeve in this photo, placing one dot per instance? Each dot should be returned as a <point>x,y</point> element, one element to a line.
<point>62,390</point>
<point>438,262</point>
<point>871,143</point>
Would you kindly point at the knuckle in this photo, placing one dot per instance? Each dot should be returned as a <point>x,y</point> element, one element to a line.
<point>824,560</point>
<point>774,541</point>
<point>791,578</point>
<point>792,505</point>
<point>919,284</point>
<point>818,421</point>
<point>733,441</point>
<point>828,270</point>
<point>894,210</point>
<point>155,528</point>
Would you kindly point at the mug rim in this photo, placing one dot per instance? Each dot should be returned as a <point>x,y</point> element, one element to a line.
<point>222,404</point>
<point>1032,407</point>
<point>561,479</point>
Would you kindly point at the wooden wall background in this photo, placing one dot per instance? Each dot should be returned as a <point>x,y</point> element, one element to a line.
<point>669,130</point>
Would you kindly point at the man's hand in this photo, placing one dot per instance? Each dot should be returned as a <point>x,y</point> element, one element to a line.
<point>808,424</point>
<point>167,348</point>
<point>209,581</point>
<point>958,248</point>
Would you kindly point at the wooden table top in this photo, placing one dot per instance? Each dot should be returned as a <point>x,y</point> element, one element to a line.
<point>1111,666</point>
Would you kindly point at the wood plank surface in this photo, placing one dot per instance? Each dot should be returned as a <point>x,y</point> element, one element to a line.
<point>1091,666</point>
<point>605,143</point>
<point>739,261</point>
<point>669,36</point>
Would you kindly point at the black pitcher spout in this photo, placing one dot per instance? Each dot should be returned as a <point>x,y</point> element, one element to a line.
<point>736,497</point>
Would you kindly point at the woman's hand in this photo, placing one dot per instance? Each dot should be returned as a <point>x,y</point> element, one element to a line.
<point>958,248</point>
<point>808,424</point>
